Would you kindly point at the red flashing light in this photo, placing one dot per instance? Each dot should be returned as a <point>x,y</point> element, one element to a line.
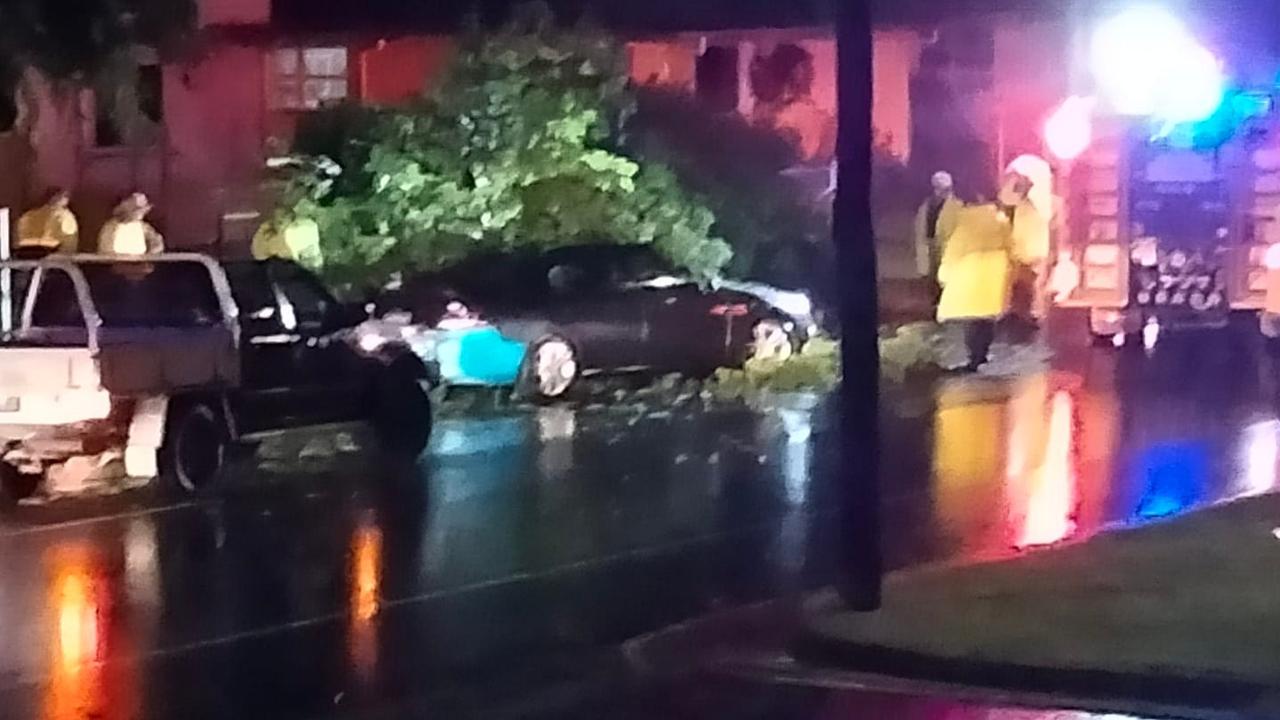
<point>1069,130</point>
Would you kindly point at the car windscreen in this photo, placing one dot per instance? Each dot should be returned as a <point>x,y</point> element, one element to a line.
<point>132,295</point>
<point>611,266</point>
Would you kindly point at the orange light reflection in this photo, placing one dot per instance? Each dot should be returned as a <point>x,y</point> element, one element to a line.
<point>366,581</point>
<point>75,689</point>
<point>1050,515</point>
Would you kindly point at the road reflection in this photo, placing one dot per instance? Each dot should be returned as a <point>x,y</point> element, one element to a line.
<point>1259,456</point>
<point>1174,475</point>
<point>850,705</point>
<point>566,527</point>
<point>365,579</point>
<point>1021,465</point>
<point>79,611</point>
<point>1052,457</point>
<point>1049,489</point>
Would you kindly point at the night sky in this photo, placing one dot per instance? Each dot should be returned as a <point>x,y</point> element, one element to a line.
<point>617,14</point>
<point>624,15</point>
<point>1259,18</point>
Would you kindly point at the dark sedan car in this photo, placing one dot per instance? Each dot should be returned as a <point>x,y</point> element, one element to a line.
<point>585,310</point>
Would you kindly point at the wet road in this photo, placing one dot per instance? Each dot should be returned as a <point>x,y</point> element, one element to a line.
<point>501,576</point>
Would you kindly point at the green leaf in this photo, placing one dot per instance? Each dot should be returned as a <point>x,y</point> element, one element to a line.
<point>519,147</point>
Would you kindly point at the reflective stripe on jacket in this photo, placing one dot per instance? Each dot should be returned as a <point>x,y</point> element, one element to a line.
<point>53,229</point>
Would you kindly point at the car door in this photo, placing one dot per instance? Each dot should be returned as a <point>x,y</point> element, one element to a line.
<point>600,316</point>
<point>692,325</point>
<point>269,395</point>
<point>332,378</point>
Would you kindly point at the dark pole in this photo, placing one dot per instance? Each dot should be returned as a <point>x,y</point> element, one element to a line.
<point>860,580</point>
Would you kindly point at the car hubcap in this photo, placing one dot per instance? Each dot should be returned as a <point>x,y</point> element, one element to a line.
<point>771,342</point>
<point>556,368</point>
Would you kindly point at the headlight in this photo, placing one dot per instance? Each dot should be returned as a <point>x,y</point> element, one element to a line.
<point>457,316</point>
<point>794,304</point>
<point>370,342</point>
<point>1272,258</point>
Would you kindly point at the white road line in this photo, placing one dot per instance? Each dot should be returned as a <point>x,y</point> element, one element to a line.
<point>98,519</point>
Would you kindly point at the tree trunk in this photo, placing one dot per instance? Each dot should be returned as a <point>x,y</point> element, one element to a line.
<point>860,581</point>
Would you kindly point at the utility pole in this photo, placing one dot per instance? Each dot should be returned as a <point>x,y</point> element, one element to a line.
<point>861,564</point>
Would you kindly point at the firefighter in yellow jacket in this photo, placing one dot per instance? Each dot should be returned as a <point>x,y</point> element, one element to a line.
<point>290,237</point>
<point>935,221</point>
<point>975,276</point>
<point>128,232</point>
<point>1030,246</point>
<point>48,229</point>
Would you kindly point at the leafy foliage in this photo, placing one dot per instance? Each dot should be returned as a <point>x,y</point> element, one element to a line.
<point>87,43</point>
<point>71,39</point>
<point>776,231</point>
<point>911,348</point>
<point>516,150</point>
<point>816,368</point>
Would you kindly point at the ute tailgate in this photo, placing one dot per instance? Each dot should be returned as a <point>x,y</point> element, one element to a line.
<point>37,384</point>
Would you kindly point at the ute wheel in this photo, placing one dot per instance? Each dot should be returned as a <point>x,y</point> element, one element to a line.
<point>195,448</point>
<point>15,486</point>
<point>402,407</point>
<point>550,368</point>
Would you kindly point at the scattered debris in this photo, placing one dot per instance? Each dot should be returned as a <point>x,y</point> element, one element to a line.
<point>816,368</point>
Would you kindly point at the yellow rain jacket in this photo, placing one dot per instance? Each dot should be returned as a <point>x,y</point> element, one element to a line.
<point>1030,235</point>
<point>53,229</point>
<point>929,250</point>
<point>129,237</point>
<point>299,241</point>
<point>975,271</point>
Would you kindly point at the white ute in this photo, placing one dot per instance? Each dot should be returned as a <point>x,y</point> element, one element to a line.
<point>94,351</point>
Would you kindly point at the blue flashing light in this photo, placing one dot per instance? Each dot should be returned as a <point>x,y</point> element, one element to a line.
<point>1252,105</point>
<point>1239,110</point>
<point>1174,476</point>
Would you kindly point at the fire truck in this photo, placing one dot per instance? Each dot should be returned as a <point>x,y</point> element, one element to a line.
<point>1170,230</point>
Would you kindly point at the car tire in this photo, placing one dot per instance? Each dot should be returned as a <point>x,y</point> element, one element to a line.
<point>402,407</point>
<point>771,340</point>
<point>195,448</point>
<point>15,486</point>
<point>550,369</point>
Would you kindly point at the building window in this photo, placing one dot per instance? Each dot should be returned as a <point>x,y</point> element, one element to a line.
<point>308,78</point>
<point>147,92</point>
<point>151,92</point>
<point>106,125</point>
<point>8,112</point>
<point>717,78</point>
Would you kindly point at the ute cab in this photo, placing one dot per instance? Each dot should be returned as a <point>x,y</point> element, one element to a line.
<point>114,369</point>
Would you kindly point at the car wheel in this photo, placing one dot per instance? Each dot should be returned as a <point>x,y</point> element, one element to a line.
<point>195,448</point>
<point>550,369</point>
<point>15,486</point>
<point>402,413</point>
<point>771,341</point>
